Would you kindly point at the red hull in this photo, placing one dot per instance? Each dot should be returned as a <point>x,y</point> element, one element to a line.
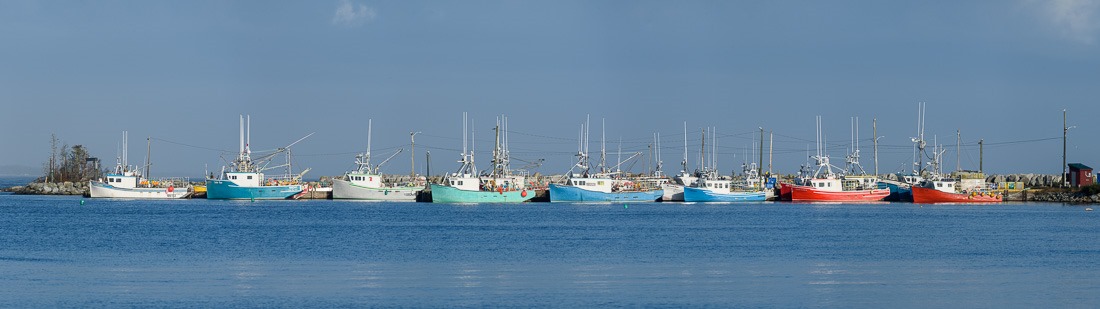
<point>785,191</point>
<point>809,194</point>
<point>928,196</point>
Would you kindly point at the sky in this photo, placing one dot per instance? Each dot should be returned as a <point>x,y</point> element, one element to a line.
<point>181,73</point>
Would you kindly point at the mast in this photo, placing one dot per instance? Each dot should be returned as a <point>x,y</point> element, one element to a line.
<point>958,149</point>
<point>874,131</point>
<point>771,148</point>
<point>603,145</point>
<point>684,163</point>
<point>148,152</point>
<point>703,151</point>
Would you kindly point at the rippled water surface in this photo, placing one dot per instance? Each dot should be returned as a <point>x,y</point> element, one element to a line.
<point>56,252</point>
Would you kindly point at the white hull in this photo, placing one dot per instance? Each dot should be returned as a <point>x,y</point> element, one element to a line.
<point>673,193</point>
<point>343,189</point>
<point>101,190</point>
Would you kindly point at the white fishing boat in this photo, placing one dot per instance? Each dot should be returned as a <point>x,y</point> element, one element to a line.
<point>674,191</point>
<point>125,181</point>
<point>367,182</point>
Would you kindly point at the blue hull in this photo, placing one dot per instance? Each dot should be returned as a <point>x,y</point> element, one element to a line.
<point>700,195</point>
<point>224,189</point>
<point>897,193</point>
<point>559,193</point>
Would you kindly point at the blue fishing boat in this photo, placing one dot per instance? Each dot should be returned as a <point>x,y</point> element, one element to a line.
<point>606,186</point>
<point>246,180</point>
<point>694,194</point>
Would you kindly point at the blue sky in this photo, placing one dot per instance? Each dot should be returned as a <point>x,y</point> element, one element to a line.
<point>183,71</point>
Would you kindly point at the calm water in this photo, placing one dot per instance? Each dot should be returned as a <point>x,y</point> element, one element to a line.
<point>55,252</point>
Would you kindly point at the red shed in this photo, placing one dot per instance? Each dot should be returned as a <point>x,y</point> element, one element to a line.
<point>1079,175</point>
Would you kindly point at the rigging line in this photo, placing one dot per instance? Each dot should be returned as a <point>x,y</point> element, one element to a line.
<point>193,146</point>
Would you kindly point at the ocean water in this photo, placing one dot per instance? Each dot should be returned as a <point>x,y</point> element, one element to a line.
<point>55,252</point>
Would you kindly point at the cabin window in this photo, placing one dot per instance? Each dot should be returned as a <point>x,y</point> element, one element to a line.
<point>830,184</point>
<point>232,177</point>
<point>601,183</point>
<point>452,182</point>
<point>460,182</point>
<point>938,185</point>
<point>249,176</point>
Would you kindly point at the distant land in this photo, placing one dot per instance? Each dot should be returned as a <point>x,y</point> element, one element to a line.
<point>19,170</point>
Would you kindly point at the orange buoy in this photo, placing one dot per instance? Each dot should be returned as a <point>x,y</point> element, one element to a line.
<point>523,193</point>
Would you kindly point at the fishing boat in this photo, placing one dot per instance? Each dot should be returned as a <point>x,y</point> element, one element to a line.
<point>367,183</point>
<point>673,191</point>
<point>711,187</point>
<point>501,185</point>
<point>827,186</point>
<point>245,178</point>
<point>947,191</point>
<point>125,181</point>
<point>605,186</point>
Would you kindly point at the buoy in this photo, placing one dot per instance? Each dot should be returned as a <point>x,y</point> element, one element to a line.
<point>170,189</point>
<point>523,193</point>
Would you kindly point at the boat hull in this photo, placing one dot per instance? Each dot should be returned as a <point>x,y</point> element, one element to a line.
<point>898,193</point>
<point>446,194</point>
<point>929,196</point>
<point>672,193</point>
<point>226,190</point>
<point>560,193</point>
<point>102,190</point>
<point>809,194</point>
<point>343,189</point>
<point>700,195</point>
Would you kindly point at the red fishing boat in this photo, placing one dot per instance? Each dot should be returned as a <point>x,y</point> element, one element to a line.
<point>832,190</point>
<point>944,191</point>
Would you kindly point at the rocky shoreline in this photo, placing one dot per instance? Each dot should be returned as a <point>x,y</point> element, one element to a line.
<point>53,188</point>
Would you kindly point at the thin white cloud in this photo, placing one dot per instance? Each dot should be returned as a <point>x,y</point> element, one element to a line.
<point>1078,20</point>
<point>353,14</point>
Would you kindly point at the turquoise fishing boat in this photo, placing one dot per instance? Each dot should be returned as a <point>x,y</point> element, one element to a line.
<point>246,181</point>
<point>501,185</point>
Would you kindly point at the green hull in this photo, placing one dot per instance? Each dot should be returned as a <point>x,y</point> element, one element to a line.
<point>445,194</point>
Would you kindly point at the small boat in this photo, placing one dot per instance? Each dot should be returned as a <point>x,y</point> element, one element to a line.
<point>127,182</point>
<point>605,186</point>
<point>501,185</point>
<point>366,182</point>
<point>245,178</point>
<point>946,191</point>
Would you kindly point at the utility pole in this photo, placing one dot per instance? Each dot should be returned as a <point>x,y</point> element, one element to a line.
<point>412,154</point>
<point>760,159</point>
<point>981,155</point>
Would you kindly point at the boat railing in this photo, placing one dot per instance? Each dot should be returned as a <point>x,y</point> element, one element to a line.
<point>165,182</point>
<point>282,180</point>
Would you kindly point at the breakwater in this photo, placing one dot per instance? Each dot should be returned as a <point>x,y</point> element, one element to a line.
<point>52,188</point>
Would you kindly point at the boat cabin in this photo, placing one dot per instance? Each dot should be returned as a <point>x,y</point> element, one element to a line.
<point>245,179</point>
<point>826,184</point>
<point>465,182</point>
<point>125,180</point>
<point>714,185</point>
<point>944,185</point>
<point>365,180</point>
<point>592,184</point>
